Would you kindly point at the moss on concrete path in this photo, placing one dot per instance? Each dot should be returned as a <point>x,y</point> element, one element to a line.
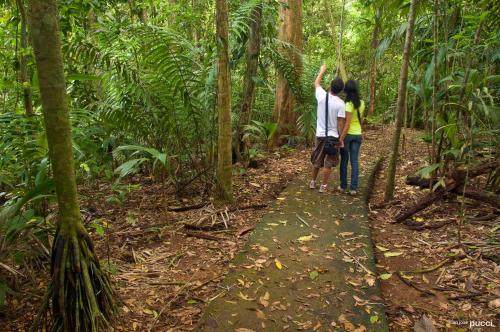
<point>308,265</point>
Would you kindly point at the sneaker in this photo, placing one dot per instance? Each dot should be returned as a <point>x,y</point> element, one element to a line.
<point>340,189</point>
<point>312,184</point>
<point>353,192</point>
<point>323,188</point>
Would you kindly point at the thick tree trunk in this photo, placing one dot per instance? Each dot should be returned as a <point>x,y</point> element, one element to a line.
<point>285,102</point>
<point>252,62</point>
<point>373,70</point>
<point>400,107</point>
<point>23,63</point>
<point>224,155</point>
<point>81,295</point>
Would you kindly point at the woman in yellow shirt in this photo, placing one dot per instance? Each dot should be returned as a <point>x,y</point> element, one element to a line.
<point>351,137</point>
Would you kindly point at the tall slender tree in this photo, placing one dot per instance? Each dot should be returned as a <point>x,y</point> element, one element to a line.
<point>285,102</point>
<point>80,292</point>
<point>373,64</point>
<point>23,60</point>
<point>337,40</point>
<point>224,153</point>
<point>252,64</point>
<point>400,106</point>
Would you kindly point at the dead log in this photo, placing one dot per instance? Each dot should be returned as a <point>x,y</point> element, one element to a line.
<point>457,180</point>
<point>481,196</point>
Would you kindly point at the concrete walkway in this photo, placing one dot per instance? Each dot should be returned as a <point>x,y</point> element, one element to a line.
<point>308,266</point>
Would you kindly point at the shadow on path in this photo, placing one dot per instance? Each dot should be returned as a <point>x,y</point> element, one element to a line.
<point>309,265</point>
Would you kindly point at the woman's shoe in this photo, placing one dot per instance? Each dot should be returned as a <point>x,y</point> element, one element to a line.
<point>323,188</point>
<point>312,184</point>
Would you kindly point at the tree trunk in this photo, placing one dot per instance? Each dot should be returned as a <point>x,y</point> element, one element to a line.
<point>253,52</point>
<point>224,155</point>
<point>23,63</point>
<point>434,83</point>
<point>400,107</point>
<point>336,40</point>
<point>82,298</point>
<point>373,70</point>
<point>285,102</point>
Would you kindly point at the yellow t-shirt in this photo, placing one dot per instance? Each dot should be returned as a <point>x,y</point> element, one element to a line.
<point>355,127</point>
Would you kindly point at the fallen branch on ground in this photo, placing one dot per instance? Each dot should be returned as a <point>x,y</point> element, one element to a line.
<point>358,262</point>
<point>456,182</point>
<point>412,285</point>
<point>203,236</point>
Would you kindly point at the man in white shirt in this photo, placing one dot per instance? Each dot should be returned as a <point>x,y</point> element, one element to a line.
<point>336,118</point>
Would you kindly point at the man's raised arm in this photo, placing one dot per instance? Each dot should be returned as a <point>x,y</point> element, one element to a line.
<point>321,73</point>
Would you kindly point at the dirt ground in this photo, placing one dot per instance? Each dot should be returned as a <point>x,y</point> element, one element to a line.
<point>167,264</point>
<point>452,286</point>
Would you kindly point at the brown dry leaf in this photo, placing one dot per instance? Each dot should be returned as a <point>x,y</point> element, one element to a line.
<point>370,280</point>
<point>347,324</point>
<point>424,324</point>
<point>317,326</point>
<point>260,314</point>
<point>242,329</point>
<point>361,328</point>
<point>493,304</point>
<point>264,300</point>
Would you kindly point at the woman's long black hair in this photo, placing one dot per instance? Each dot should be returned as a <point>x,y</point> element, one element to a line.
<point>352,93</point>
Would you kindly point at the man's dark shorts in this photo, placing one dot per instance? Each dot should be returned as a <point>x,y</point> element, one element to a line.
<point>319,158</point>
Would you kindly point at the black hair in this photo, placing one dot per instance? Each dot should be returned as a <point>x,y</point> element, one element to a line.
<point>337,85</point>
<point>352,93</point>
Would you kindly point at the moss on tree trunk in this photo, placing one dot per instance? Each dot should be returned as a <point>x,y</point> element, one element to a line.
<point>224,155</point>
<point>81,296</point>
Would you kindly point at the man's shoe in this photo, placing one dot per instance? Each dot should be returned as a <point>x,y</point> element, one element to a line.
<point>323,188</point>
<point>353,192</point>
<point>312,184</point>
<point>340,189</point>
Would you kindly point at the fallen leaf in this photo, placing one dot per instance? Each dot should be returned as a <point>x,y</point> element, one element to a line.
<point>260,314</point>
<point>313,275</point>
<point>264,300</point>
<point>278,264</point>
<point>242,329</point>
<point>373,319</point>
<point>244,297</point>
<point>370,280</point>
<point>381,248</point>
<point>392,253</point>
<point>263,249</point>
<point>493,304</point>
<point>424,324</point>
<point>385,276</point>
<point>305,238</point>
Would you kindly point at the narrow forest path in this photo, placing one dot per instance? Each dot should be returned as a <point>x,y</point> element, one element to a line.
<point>309,265</point>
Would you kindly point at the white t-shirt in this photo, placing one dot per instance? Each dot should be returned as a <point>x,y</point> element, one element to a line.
<point>336,109</point>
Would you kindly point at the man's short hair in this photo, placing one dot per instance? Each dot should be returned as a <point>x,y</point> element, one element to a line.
<point>337,85</point>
